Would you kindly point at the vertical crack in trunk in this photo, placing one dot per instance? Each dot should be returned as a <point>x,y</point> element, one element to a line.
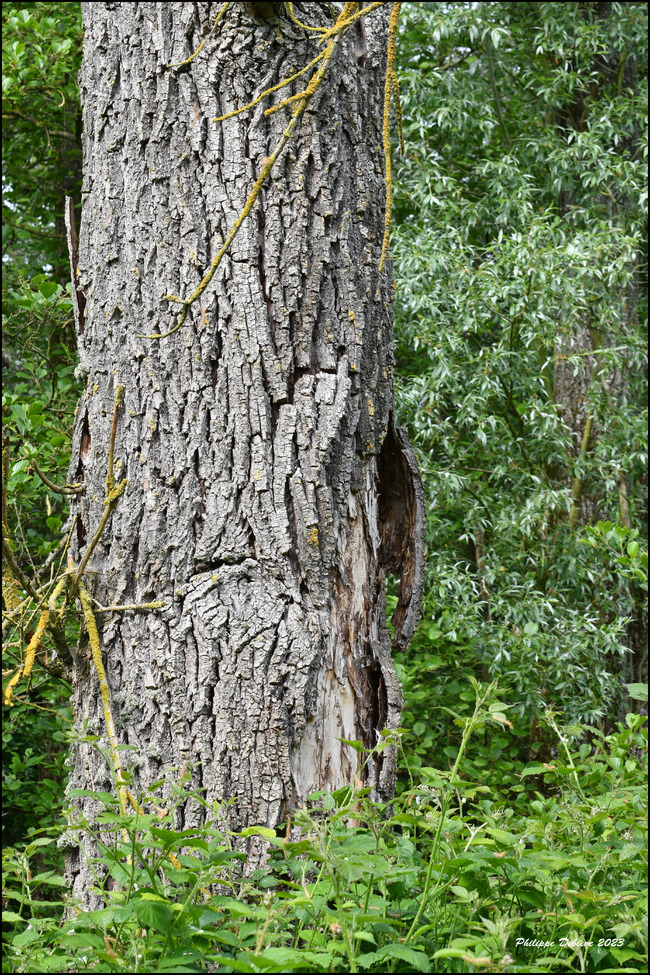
<point>403,528</point>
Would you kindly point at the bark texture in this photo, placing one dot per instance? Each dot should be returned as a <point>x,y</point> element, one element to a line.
<point>268,489</point>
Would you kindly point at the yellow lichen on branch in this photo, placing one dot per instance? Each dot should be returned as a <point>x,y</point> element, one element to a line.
<point>58,488</point>
<point>10,592</point>
<point>34,643</point>
<point>110,473</point>
<point>30,654</point>
<point>124,793</point>
<point>269,91</point>
<point>95,649</point>
<point>391,91</point>
<point>349,16</point>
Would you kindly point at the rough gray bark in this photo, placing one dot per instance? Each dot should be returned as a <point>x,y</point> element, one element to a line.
<point>268,490</point>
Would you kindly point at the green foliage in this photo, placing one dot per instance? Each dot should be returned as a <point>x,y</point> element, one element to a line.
<point>620,543</point>
<point>520,209</point>
<point>37,411</point>
<point>449,878</point>
<point>34,750</point>
<point>41,54</point>
<point>523,204</point>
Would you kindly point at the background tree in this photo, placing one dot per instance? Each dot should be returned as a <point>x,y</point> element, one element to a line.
<point>522,319</point>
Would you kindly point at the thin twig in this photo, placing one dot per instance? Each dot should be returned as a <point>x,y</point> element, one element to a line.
<point>495,92</point>
<point>110,475</point>
<point>19,575</point>
<point>157,604</point>
<point>60,489</point>
<point>192,56</point>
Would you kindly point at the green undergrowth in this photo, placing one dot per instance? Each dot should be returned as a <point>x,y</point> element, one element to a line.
<point>448,878</point>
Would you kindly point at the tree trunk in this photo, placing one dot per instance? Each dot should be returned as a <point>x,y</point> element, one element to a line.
<point>268,489</point>
<point>614,69</point>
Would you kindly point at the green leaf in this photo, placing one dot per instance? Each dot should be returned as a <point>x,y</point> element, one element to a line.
<point>181,960</point>
<point>40,841</point>
<point>10,917</point>
<point>450,953</point>
<point>464,894</point>
<point>416,959</point>
<point>358,747</point>
<point>258,831</point>
<point>48,288</point>
<point>534,770</point>
<point>153,911</point>
<point>501,835</point>
<point>532,895</point>
<point>239,965</point>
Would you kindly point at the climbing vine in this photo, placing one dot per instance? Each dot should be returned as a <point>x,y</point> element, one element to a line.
<point>333,35</point>
<point>57,605</point>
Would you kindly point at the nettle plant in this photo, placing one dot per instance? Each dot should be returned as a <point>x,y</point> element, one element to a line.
<point>449,877</point>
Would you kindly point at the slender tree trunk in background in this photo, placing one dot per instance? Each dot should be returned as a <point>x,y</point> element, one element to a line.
<point>70,156</point>
<point>268,489</point>
<point>574,393</point>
